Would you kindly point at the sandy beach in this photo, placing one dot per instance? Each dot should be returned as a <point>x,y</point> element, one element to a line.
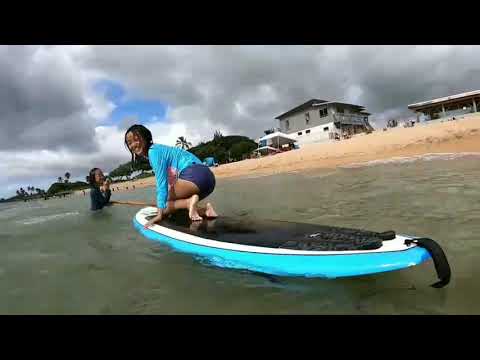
<point>456,136</point>
<point>447,137</point>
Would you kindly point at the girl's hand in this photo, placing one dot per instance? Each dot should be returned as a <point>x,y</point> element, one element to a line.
<point>149,224</point>
<point>156,219</point>
<point>106,185</point>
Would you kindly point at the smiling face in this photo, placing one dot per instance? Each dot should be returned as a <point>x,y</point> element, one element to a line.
<point>136,144</point>
<point>99,177</point>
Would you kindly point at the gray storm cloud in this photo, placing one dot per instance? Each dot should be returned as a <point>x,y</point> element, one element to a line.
<point>42,97</point>
<point>42,104</point>
<point>216,78</point>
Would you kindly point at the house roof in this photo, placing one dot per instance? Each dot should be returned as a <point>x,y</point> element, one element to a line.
<point>303,106</point>
<point>266,148</point>
<point>341,103</point>
<point>316,102</point>
<point>443,99</point>
<point>277,134</point>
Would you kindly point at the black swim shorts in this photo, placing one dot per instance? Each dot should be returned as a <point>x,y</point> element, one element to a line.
<point>201,176</point>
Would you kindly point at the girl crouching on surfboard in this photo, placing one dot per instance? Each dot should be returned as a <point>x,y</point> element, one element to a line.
<point>182,180</point>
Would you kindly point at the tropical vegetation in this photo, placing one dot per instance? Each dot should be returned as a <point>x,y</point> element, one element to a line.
<point>183,143</point>
<point>225,148</point>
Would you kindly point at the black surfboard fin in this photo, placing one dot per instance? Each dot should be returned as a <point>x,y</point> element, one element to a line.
<point>439,259</point>
<point>272,278</point>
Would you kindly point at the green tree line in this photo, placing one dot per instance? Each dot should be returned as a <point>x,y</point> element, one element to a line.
<point>225,148</point>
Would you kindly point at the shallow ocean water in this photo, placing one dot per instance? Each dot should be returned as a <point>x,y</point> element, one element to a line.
<point>57,257</point>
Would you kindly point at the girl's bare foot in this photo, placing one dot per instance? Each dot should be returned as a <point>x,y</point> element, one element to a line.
<point>210,212</point>
<point>192,208</point>
<point>195,225</point>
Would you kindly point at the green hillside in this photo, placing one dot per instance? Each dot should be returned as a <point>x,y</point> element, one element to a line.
<point>61,187</point>
<point>225,148</point>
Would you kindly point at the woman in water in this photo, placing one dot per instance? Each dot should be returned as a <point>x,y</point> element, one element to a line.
<point>99,189</point>
<point>182,180</point>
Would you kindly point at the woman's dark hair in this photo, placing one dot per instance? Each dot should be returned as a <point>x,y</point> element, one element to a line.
<point>144,133</point>
<point>91,177</point>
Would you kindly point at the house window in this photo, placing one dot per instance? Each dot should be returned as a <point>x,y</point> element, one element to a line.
<point>340,110</point>
<point>325,128</point>
<point>287,124</point>
<point>307,132</point>
<point>307,118</point>
<point>323,112</point>
<point>300,133</point>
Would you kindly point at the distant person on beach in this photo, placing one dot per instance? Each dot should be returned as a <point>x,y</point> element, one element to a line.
<point>100,189</point>
<point>181,178</point>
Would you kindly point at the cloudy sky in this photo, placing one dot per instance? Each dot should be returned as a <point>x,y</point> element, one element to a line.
<point>65,108</point>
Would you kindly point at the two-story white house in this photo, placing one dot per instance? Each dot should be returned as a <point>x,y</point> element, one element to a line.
<point>322,120</point>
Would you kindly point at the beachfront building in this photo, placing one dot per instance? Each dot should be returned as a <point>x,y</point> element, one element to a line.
<point>447,107</point>
<point>322,120</point>
<point>273,143</point>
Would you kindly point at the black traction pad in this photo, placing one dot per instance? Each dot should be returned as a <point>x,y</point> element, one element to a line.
<point>278,234</point>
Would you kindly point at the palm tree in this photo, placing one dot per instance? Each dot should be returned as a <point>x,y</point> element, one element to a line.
<point>183,143</point>
<point>217,135</point>
<point>59,179</point>
<point>67,176</point>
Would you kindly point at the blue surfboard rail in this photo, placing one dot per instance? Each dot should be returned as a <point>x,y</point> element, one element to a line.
<point>304,265</point>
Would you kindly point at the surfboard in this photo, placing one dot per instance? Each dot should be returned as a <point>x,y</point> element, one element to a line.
<point>285,248</point>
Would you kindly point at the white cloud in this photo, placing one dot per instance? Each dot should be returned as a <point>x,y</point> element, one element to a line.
<point>191,122</point>
<point>99,107</point>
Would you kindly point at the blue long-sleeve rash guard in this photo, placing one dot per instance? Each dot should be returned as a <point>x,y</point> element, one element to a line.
<point>168,161</point>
